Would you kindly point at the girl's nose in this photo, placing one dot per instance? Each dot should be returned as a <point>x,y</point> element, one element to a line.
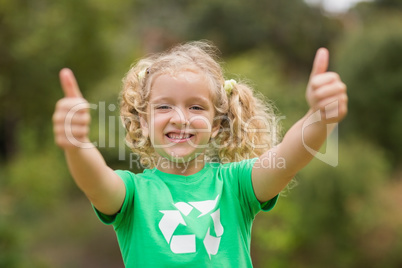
<point>179,117</point>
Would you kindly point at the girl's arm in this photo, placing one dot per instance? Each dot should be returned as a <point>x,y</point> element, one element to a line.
<point>71,119</point>
<point>325,93</point>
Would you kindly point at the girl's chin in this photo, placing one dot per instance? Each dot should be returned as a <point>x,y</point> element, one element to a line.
<point>181,158</point>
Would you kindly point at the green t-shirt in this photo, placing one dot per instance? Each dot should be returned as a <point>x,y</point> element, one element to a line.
<point>201,220</point>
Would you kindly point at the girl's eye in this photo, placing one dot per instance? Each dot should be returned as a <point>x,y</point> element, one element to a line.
<point>198,108</point>
<point>163,107</point>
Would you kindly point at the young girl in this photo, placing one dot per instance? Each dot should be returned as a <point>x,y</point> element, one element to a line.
<point>209,148</point>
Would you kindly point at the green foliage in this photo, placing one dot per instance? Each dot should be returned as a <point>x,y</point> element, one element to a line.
<point>370,63</point>
<point>9,246</point>
<point>294,30</point>
<point>389,4</point>
<point>327,216</point>
<point>262,69</point>
<point>38,39</point>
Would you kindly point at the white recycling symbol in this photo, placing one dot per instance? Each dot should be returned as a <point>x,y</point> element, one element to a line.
<point>186,243</point>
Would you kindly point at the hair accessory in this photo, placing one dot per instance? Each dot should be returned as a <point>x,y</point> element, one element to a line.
<point>141,74</point>
<point>229,84</point>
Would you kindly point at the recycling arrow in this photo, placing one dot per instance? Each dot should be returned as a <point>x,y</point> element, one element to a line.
<point>169,222</point>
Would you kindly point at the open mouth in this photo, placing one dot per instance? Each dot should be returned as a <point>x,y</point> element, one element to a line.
<point>179,137</point>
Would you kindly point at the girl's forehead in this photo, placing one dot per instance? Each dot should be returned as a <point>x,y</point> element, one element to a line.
<point>189,76</point>
<point>185,73</point>
<point>191,81</point>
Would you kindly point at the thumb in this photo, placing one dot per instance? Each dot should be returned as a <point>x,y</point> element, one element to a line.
<point>321,62</point>
<point>69,84</point>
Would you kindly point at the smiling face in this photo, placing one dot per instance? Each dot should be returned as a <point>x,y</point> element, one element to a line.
<point>180,116</point>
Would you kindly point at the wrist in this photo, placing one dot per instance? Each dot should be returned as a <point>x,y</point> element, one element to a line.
<point>315,117</point>
<point>75,144</point>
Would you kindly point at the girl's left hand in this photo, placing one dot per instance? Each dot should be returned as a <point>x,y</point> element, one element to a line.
<point>326,91</point>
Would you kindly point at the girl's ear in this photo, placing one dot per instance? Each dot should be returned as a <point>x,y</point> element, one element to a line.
<point>144,126</point>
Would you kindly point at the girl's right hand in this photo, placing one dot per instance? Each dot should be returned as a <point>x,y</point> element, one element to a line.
<point>71,117</point>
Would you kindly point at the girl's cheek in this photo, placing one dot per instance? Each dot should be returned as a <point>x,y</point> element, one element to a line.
<point>159,118</point>
<point>201,123</point>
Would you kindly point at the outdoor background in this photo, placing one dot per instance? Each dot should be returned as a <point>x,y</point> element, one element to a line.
<point>344,216</point>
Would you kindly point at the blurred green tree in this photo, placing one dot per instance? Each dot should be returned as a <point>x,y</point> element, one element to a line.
<point>38,39</point>
<point>294,30</point>
<point>324,221</point>
<point>370,62</point>
<point>389,4</point>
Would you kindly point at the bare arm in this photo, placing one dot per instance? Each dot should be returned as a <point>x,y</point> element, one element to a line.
<point>325,93</point>
<point>71,121</point>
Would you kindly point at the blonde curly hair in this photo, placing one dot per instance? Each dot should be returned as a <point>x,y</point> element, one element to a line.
<point>247,122</point>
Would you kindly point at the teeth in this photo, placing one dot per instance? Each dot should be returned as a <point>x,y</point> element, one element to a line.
<point>178,136</point>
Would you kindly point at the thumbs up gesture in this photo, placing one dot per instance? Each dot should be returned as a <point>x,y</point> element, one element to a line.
<point>325,90</point>
<point>71,117</point>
